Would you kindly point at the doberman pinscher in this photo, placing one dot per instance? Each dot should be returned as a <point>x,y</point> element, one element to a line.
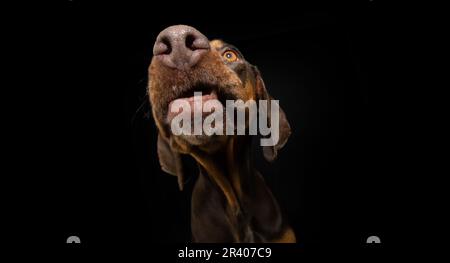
<point>230,200</point>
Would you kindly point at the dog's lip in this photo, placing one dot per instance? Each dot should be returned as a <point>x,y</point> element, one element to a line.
<point>188,92</point>
<point>203,96</point>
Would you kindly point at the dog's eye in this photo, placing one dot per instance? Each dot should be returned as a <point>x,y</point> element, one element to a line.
<point>230,56</point>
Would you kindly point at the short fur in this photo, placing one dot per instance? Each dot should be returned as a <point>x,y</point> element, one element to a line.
<point>230,201</point>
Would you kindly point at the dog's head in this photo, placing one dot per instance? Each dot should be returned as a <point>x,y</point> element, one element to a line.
<point>185,61</point>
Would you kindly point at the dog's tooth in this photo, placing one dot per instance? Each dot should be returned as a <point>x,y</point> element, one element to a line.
<point>214,94</point>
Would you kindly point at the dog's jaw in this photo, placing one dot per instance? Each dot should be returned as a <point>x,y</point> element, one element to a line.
<point>167,85</point>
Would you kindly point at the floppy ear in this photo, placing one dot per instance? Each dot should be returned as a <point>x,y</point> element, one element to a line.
<point>270,152</point>
<point>170,160</point>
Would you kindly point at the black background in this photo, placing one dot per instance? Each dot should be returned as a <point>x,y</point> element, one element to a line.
<point>90,145</point>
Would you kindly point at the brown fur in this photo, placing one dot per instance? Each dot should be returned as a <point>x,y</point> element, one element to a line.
<point>230,201</point>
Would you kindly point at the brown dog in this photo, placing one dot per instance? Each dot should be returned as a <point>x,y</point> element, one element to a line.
<point>230,200</point>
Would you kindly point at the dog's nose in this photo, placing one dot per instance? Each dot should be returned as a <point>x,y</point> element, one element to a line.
<point>180,46</point>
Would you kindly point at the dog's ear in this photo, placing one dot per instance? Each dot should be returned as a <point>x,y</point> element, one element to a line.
<point>270,152</point>
<point>170,160</point>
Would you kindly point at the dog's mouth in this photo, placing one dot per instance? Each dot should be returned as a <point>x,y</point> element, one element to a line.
<point>193,101</point>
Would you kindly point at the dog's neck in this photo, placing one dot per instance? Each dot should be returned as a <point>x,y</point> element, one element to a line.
<point>230,168</point>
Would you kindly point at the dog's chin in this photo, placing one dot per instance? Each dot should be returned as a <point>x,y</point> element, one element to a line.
<point>200,140</point>
<point>207,143</point>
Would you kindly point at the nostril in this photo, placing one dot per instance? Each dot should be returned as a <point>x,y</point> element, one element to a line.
<point>195,42</point>
<point>189,42</point>
<point>162,47</point>
<point>168,47</point>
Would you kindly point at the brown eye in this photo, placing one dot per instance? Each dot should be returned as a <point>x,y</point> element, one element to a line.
<point>230,56</point>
